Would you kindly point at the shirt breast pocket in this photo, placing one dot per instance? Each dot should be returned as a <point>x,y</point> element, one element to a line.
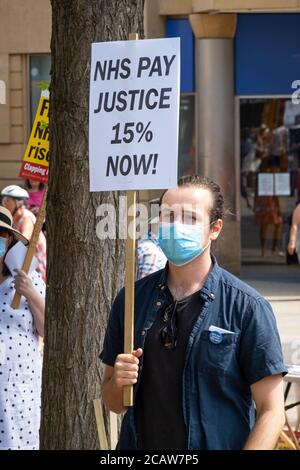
<point>218,356</point>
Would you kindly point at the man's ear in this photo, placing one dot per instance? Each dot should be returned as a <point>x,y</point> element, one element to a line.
<point>216,229</point>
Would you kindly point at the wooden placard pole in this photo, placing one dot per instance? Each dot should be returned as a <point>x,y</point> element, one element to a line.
<point>129,290</point>
<point>287,440</point>
<point>292,434</point>
<point>130,280</point>
<point>32,246</point>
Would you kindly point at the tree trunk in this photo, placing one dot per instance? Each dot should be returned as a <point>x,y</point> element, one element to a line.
<point>83,273</point>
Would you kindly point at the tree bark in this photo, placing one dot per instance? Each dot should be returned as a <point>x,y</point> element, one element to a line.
<point>83,273</point>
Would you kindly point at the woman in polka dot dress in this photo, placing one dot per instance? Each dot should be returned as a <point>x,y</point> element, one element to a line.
<point>20,362</point>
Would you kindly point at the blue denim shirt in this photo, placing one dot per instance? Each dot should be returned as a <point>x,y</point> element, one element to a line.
<point>217,404</point>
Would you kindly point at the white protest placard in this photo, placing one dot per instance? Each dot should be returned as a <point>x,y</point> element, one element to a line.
<point>134,114</point>
<point>15,258</point>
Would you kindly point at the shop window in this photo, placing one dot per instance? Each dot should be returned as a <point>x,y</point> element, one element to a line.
<point>187,144</point>
<point>39,71</point>
<point>270,175</point>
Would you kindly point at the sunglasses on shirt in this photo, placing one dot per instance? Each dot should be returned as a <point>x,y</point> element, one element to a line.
<point>168,333</point>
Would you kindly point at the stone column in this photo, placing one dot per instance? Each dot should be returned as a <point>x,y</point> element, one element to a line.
<point>215,128</point>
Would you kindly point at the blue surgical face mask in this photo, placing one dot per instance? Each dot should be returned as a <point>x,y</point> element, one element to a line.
<point>181,243</point>
<point>3,246</point>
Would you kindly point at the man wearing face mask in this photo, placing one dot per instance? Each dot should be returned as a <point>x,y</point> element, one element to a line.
<point>206,344</point>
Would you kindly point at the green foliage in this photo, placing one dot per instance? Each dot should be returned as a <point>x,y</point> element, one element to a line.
<point>43,85</point>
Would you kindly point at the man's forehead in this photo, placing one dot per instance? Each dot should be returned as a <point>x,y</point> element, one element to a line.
<point>200,197</point>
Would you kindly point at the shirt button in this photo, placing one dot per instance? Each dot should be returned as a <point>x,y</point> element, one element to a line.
<point>158,303</point>
<point>143,333</point>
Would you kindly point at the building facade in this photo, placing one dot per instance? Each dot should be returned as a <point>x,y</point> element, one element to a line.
<point>240,64</point>
<point>25,31</point>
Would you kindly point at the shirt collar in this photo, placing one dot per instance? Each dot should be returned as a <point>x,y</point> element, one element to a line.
<point>153,238</point>
<point>208,291</point>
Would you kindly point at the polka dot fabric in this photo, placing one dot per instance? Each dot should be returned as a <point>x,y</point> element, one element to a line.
<point>20,371</point>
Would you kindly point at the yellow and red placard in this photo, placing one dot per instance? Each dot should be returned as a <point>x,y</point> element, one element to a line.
<point>35,165</point>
